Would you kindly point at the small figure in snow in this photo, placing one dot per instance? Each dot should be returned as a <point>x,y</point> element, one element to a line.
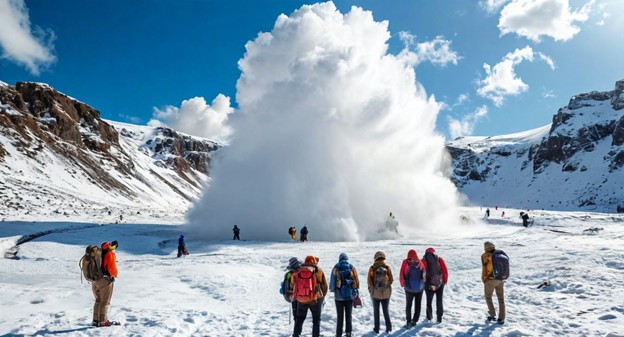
<point>392,224</point>
<point>503,214</point>
<point>491,284</point>
<point>497,207</point>
<point>103,288</point>
<point>182,247</point>
<point>303,234</point>
<point>487,212</point>
<point>236,231</point>
<point>525,219</point>
<point>292,231</point>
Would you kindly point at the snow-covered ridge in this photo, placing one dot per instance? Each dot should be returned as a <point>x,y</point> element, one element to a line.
<point>574,163</point>
<point>58,156</point>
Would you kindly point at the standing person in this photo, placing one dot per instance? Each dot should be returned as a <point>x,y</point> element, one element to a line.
<point>487,212</point>
<point>181,245</point>
<point>103,288</point>
<point>292,231</point>
<point>525,219</point>
<point>436,277</point>
<point>236,231</point>
<point>412,280</point>
<point>491,283</point>
<point>304,233</point>
<point>344,283</point>
<point>380,288</point>
<point>310,288</point>
<point>294,264</point>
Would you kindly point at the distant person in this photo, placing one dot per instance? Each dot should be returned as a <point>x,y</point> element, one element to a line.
<point>487,212</point>
<point>236,231</point>
<point>380,288</point>
<point>310,288</point>
<point>182,246</point>
<point>497,207</point>
<point>492,282</point>
<point>286,289</point>
<point>503,214</point>
<point>103,288</point>
<point>303,234</point>
<point>525,219</point>
<point>436,277</point>
<point>292,231</point>
<point>344,283</point>
<point>413,281</point>
<point>392,224</point>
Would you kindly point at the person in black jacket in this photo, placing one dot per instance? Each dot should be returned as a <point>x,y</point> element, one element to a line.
<point>236,231</point>
<point>304,234</point>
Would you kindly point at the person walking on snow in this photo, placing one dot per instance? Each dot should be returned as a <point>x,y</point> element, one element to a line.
<point>436,277</point>
<point>412,280</point>
<point>380,288</point>
<point>103,288</point>
<point>292,231</point>
<point>181,246</point>
<point>344,283</point>
<point>294,264</point>
<point>303,234</point>
<point>491,284</point>
<point>487,212</point>
<point>236,231</point>
<point>309,275</point>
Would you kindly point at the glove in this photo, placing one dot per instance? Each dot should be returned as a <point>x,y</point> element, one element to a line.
<point>112,279</point>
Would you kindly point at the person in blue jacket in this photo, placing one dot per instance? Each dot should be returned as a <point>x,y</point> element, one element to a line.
<point>181,245</point>
<point>343,275</point>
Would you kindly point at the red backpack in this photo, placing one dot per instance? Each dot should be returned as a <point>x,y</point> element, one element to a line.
<point>305,287</point>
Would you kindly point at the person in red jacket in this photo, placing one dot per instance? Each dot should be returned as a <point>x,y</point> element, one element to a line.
<point>412,280</point>
<point>436,277</point>
<point>103,288</point>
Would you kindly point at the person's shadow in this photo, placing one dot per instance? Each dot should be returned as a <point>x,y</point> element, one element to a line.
<point>48,332</point>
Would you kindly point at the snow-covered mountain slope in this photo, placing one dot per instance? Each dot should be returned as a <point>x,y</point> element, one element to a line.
<point>574,163</point>
<point>58,155</point>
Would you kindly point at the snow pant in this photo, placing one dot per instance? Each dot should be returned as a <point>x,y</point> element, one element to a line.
<point>180,250</point>
<point>236,237</point>
<point>102,291</point>
<point>302,311</point>
<point>303,237</point>
<point>384,307</point>
<point>409,298</point>
<point>489,287</point>
<point>294,309</point>
<point>343,313</point>
<point>439,307</point>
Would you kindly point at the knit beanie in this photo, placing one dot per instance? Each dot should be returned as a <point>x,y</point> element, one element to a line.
<point>106,245</point>
<point>343,256</point>
<point>294,263</point>
<point>311,260</point>
<point>380,256</point>
<point>488,246</point>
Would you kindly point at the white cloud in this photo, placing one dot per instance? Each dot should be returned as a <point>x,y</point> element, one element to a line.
<point>437,51</point>
<point>502,81</point>
<point>492,6</point>
<point>461,99</point>
<point>332,132</point>
<point>535,18</point>
<point>548,94</point>
<point>196,118</point>
<point>547,59</point>
<point>465,126</point>
<point>20,44</point>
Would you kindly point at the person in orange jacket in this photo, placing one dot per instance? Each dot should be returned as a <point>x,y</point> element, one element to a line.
<point>436,277</point>
<point>103,288</point>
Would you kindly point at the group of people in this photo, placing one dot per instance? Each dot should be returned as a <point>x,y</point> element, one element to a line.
<point>303,233</point>
<point>305,287</point>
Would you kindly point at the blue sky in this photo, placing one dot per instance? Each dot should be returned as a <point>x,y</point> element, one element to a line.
<point>139,61</point>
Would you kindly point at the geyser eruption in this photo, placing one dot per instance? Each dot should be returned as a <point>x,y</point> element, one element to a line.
<point>332,132</point>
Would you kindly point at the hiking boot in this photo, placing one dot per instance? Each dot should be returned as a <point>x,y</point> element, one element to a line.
<point>94,323</point>
<point>491,318</point>
<point>439,319</point>
<point>105,323</point>
<point>376,330</point>
<point>500,321</point>
<point>388,330</point>
<point>348,334</point>
<point>413,324</point>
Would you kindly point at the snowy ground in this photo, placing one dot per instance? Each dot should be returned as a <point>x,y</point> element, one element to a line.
<point>231,288</point>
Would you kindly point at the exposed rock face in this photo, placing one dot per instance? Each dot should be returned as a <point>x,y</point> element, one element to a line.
<point>586,139</point>
<point>47,126</point>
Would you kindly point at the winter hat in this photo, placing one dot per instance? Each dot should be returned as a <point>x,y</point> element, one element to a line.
<point>106,245</point>
<point>311,260</point>
<point>488,246</point>
<point>412,255</point>
<point>114,245</point>
<point>430,250</point>
<point>343,256</point>
<point>182,236</point>
<point>294,263</point>
<point>380,255</point>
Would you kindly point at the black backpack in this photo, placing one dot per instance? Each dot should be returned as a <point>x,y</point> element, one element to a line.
<point>433,278</point>
<point>500,264</point>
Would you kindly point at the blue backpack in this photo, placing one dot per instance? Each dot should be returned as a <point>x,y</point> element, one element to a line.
<point>415,280</point>
<point>346,279</point>
<point>500,264</point>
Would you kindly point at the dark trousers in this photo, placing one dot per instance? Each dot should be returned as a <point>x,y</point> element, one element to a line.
<point>343,312</point>
<point>236,237</point>
<point>180,250</point>
<point>302,312</point>
<point>439,308</point>
<point>384,307</point>
<point>303,237</point>
<point>409,298</point>
<point>294,309</point>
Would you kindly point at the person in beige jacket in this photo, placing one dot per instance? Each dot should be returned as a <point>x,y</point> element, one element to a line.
<point>380,288</point>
